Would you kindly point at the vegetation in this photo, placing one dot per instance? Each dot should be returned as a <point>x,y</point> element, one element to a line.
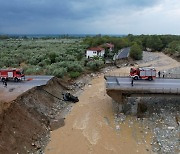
<point>162,43</point>
<point>65,56</point>
<point>59,57</point>
<point>136,52</point>
<point>173,48</point>
<point>119,42</point>
<point>95,65</point>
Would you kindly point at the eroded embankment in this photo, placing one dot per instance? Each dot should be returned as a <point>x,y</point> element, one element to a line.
<point>25,124</point>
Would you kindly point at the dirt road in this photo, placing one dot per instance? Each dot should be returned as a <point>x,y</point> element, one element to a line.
<point>92,127</point>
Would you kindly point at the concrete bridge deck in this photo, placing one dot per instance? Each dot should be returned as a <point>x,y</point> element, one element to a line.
<point>120,87</point>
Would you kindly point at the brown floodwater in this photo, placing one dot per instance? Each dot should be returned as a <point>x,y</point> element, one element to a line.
<point>91,127</point>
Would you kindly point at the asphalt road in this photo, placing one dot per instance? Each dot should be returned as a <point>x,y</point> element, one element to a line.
<point>32,80</point>
<point>158,83</point>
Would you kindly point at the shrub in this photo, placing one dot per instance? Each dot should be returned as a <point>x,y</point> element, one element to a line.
<point>74,74</point>
<point>95,65</point>
<point>70,58</point>
<point>45,62</point>
<point>75,67</point>
<point>71,66</point>
<point>29,70</point>
<point>56,70</point>
<point>59,72</point>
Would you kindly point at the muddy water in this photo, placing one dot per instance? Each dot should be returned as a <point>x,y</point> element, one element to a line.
<point>91,127</point>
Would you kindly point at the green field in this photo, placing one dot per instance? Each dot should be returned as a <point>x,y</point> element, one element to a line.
<point>57,57</point>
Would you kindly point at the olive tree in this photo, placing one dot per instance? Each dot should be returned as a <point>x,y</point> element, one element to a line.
<point>136,52</point>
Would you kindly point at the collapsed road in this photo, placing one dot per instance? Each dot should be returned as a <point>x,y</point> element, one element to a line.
<point>32,80</point>
<point>28,119</point>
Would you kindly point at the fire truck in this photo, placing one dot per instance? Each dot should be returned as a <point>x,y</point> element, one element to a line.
<point>11,74</point>
<point>143,73</point>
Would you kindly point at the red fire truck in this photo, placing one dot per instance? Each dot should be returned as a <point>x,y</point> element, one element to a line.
<point>143,73</point>
<point>11,74</point>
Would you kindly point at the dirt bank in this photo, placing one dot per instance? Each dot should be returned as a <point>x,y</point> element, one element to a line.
<point>26,121</point>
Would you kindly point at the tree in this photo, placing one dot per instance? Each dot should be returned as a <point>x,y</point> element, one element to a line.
<point>130,37</point>
<point>136,52</point>
<point>154,42</point>
<point>174,47</point>
<point>52,57</point>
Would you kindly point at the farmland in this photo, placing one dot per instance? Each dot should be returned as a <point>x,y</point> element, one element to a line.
<point>59,57</point>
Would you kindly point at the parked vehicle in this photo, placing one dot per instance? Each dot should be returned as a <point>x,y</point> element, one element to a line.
<point>11,74</point>
<point>143,73</point>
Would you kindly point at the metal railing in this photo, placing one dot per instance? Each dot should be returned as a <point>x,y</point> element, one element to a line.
<point>170,76</point>
<point>167,75</point>
<point>143,89</point>
<point>111,74</point>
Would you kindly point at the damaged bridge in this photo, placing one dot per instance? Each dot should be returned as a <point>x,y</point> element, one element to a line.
<point>120,88</point>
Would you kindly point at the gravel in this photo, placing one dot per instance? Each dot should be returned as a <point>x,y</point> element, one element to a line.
<point>147,57</point>
<point>162,118</point>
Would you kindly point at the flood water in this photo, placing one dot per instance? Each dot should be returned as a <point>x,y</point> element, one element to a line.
<point>93,127</point>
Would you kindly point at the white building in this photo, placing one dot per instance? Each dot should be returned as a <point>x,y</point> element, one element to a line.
<point>95,51</point>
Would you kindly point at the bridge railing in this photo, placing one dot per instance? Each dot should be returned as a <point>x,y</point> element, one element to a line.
<point>170,76</point>
<point>144,89</point>
<point>115,74</point>
<point>167,75</point>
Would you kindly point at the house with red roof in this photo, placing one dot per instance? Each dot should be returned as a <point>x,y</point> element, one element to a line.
<point>95,51</point>
<point>109,46</point>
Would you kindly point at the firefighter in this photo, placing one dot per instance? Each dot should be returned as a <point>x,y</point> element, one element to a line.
<point>159,74</point>
<point>5,83</point>
<point>132,82</point>
<point>163,74</point>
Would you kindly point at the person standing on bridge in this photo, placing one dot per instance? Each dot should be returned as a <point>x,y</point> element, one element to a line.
<point>132,82</point>
<point>163,74</point>
<point>159,74</point>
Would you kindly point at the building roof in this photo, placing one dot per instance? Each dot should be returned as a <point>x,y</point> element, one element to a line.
<point>96,49</point>
<point>124,53</point>
<point>110,45</point>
